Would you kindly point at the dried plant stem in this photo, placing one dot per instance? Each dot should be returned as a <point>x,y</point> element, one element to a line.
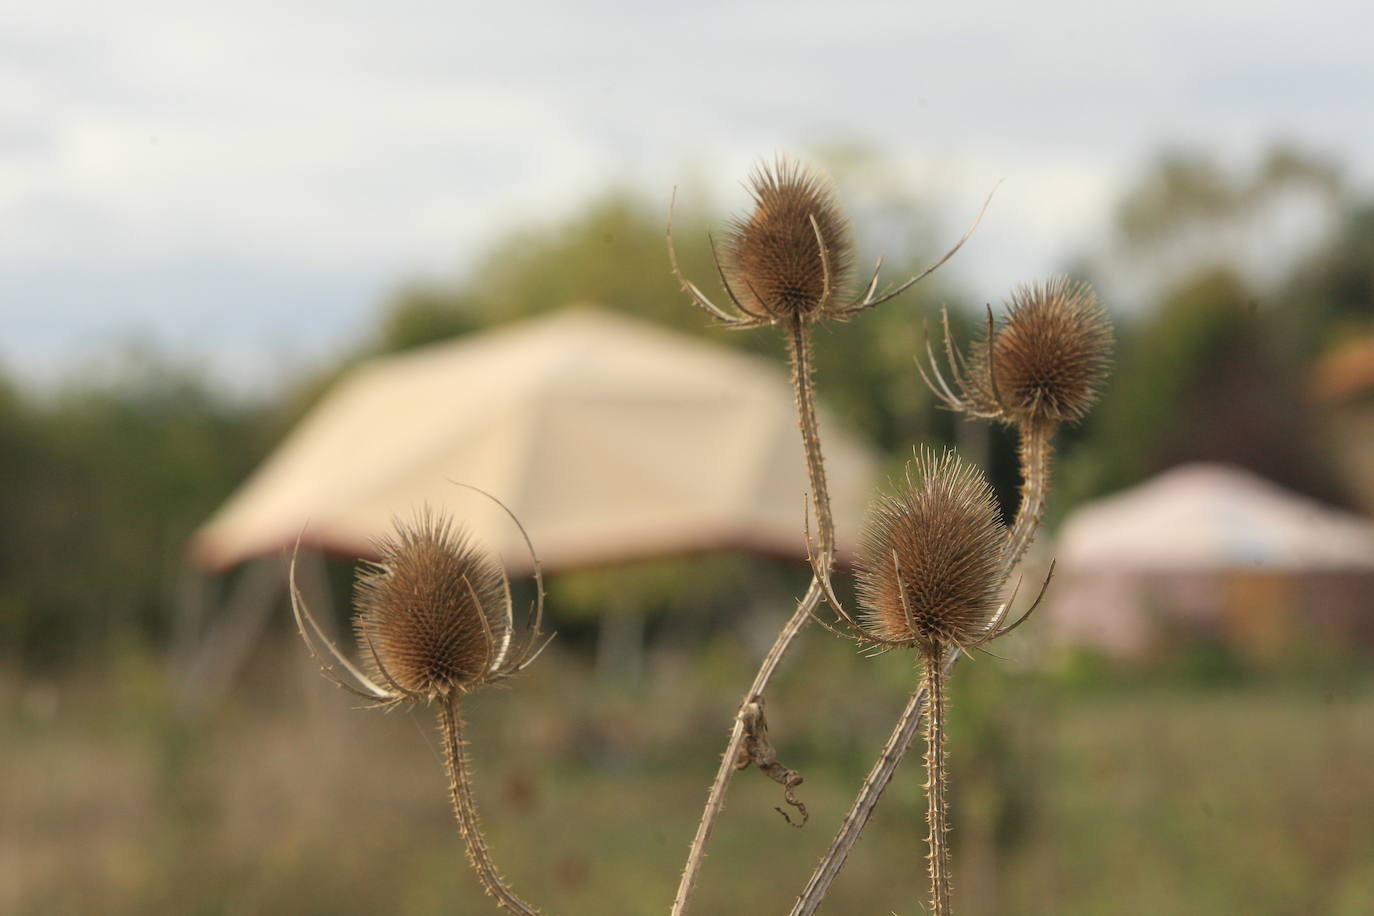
<point>715,801</point>
<point>799,352</point>
<point>908,725</point>
<point>937,806</point>
<point>799,355</point>
<point>1036,454</point>
<point>460,788</point>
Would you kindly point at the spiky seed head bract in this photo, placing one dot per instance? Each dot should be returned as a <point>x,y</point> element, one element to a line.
<point>777,265</point>
<point>432,614</point>
<point>929,567</point>
<point>1048,358</point>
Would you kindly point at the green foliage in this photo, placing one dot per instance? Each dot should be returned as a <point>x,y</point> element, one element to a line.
<point>104,485</point>
<point>1207,378</point>
<point>1185,188</point>
<point>1161,368</point>
<point>1217,368</point>
<point>611,253</point>
<point>1330,295</point>
<point>425,313</point>
<point>690,585</point>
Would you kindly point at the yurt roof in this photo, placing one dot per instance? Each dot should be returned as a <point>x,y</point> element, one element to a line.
<point>1213,516</point>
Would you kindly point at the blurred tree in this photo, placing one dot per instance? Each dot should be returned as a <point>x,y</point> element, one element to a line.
<point>425,313</point>
<point>612,253</point>
<point>1205,380</point>
<point>1217,369</point>
<point>1184,188</point>
<point>1188,214</point>
<point>1330,294</point>
<point>104,484</point>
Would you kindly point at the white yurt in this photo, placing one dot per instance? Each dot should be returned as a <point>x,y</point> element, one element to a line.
<point>1209,550</point>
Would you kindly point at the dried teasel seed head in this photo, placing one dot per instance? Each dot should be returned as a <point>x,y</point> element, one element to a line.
<point>792,258</point>
<point>1049,356</point>
<point>929,567</point>
<point>432,615</point>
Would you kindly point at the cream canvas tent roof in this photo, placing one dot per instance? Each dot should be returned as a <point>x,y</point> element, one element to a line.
<point>1212,516</point>
<point>609,438</point>
<point>1209,549</point>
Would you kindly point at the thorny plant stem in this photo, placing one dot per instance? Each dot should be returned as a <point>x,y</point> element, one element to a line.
<point>937,807</point>
<point>460,788</point>
<point>1035,457</point>
<point>715,800</point>
<point>1036,454</point>
<point>799,355</point>
<point>908,725</point>
<point>799,351</point>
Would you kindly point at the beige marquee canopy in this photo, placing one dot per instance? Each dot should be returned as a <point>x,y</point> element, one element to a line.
<point>609,438</point>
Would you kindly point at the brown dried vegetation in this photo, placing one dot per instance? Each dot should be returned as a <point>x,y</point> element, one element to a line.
<point>431,612</point>
<point>434,620</point>
<point>792,258</point>
<point>1047,359</point>
<point>929,569</point>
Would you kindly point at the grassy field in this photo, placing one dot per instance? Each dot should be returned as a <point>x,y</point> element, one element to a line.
<point>1073,795</point>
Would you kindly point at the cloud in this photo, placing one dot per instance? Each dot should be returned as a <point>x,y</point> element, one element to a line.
<point>326,150</point>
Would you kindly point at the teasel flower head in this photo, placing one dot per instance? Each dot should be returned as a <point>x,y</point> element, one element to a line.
<point>1045,361</point>
<point>931,567</point>
<point>434,621</point>
<point>791,260</point>
<point>929,564</point>
<point>432,616</point>
<point>792,257</point>
<point>930,573</point>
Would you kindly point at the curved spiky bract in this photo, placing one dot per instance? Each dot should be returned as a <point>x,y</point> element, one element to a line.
<point>792,258</point>
<point>432,615</point>
<point>929,568</point>
<point>1047,359</point>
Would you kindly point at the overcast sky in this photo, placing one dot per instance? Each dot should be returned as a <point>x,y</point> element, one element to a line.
<point>244,182</point>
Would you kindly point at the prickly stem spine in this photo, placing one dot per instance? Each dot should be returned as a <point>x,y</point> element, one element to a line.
<point>799,355</point>
<point>460,789</point>
<point>1036,455</point>
<point>937,809</point>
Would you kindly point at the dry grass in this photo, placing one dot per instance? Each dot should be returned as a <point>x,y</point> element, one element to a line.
<point>1135,800</point>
